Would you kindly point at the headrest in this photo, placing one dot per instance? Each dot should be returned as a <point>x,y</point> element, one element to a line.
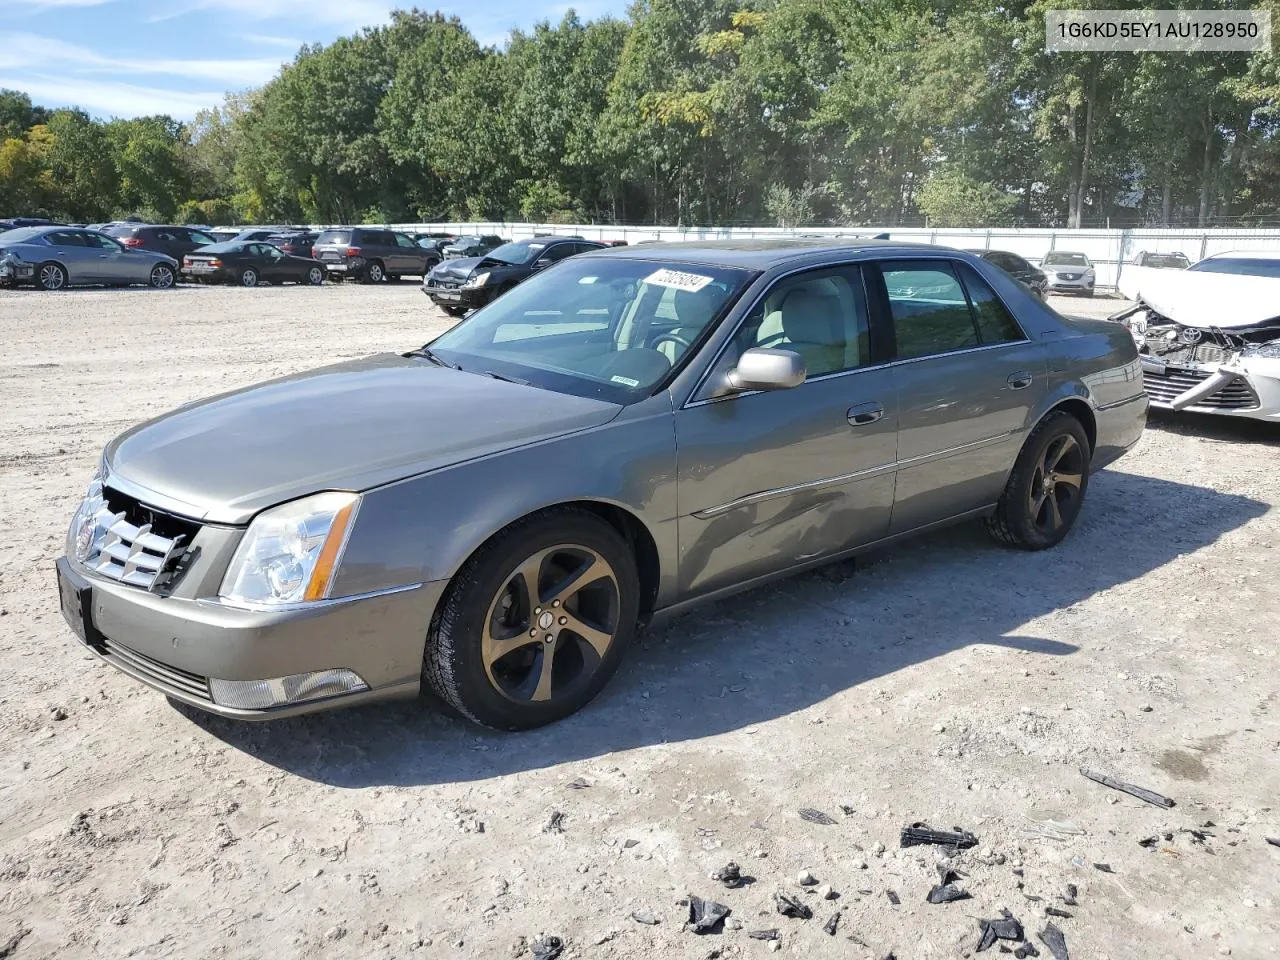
<point>808,317</point>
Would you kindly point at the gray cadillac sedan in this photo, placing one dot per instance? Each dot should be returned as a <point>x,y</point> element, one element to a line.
<point>634,430</point>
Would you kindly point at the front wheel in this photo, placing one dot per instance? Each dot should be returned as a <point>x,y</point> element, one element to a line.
<point>248,277</point>
<point>51,276</point>
<point>1046,488</point>
<point>162,277</point>
<point>536,622</point>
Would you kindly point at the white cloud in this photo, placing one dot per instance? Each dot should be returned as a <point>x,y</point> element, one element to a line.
<point>264,40</point>
<point>343,14</point>
<point>112,99</point>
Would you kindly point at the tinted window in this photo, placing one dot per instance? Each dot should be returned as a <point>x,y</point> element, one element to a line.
<point>119,230</point>
<point>66,238</point>
<point>516,252</point>
<point>928,307</point>
<point>1248,266</point>
<point>195,236</point>
<point>167,234</point>
<point>1017,264</point>
<point>403,241</point>
<point>821,315</point>
<point>334,236</point>
<point>995,322</point>
<point>559,251</point>
<point>98,240</point>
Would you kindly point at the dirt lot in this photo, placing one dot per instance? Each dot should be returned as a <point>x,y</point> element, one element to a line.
<point>948,681</point>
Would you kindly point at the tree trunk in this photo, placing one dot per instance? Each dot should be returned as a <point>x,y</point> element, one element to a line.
<point>1073,177</point>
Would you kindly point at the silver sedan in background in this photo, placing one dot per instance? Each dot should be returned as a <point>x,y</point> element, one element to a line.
<point>57,257</point>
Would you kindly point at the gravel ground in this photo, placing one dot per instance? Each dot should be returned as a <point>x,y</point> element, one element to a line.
<point>947,681</point>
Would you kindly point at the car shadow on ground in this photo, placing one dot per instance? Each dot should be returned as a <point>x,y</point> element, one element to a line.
<point>1209,427</point>
<point>782,648</point>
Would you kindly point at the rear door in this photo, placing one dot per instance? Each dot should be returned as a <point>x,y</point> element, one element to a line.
<point>966,378</point>
<point>409,257</point>
<point>82,263</point>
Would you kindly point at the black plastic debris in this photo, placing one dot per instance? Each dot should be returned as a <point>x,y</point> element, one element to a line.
<point>770,934</point>
<point>829,928</point>
<point>791,907</point>
<point>948,874</point>
<point>893,897</point>
<point>645,917</point>
<point>1104,867</point>
<point>1274,841</point>
<point>1005,928</point>
<point>1072,892</point>
<point>846,810</point>
<point>1199,836</point>
<point>730,875</point>
<point>816,816</point>
<point>919,833</point>
<point>1149,843</point>
<point>947,893</point>
<point>546,948</point>
<point>705,915</point>
<point>1055,912</point>
<point>1052,938</point>
<point>1026,950</point>
<point>578,784</point>
<point>1140,792</point>
<point>555,824</point>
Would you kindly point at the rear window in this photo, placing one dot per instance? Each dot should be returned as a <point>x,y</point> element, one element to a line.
<point>1243,266</point>
<point>333,236</point>
<point>119,230</point>
<point>229,247</point>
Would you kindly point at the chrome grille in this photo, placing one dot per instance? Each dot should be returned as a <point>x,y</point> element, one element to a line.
<point>1164,388</point>
<point>125,540</point>
<point>167,678</point>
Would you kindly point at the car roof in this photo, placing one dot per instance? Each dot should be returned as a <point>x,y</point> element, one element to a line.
<point>759,254</point>
<point>1067,253</point>
<point>1249,254</point>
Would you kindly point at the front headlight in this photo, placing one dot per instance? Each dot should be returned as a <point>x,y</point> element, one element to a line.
<point>290,553</point>
<point>87,531</point>
<point>479,280</point>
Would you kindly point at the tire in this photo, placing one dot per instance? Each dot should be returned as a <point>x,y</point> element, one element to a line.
<point>374,272</point>
<point>489,609</point>
<point>248,277</point>
<point>1089,294</point>
<point>162,276</point>
<point>52,276</point>
<point>315,276</point>
<point>455,311</point>
<point>1055,459</point>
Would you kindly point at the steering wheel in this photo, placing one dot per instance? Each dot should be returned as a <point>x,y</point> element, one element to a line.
<point>673,337</point>
<point>777,338</point>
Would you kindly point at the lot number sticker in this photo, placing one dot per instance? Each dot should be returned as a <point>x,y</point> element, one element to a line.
<point>692,282</point>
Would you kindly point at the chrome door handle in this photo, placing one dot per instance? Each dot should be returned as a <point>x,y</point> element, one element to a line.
<point>863,413</point>
<point>1020,380</point>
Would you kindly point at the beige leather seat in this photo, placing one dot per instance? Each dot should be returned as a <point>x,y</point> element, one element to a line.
<point>813,326</point>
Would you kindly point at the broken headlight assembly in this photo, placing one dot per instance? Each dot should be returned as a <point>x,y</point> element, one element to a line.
<point>1269,350</point>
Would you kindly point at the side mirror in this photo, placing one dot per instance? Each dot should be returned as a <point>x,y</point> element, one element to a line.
<point>763,369</point>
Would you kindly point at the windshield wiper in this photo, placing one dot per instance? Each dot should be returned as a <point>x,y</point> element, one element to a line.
<point>500,376</point>
<point>433,357</point>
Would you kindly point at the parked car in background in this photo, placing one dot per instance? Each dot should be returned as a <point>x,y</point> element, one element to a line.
<point>172,241</point>
<point>465,283</point>
<point>13,223</point>
<point>438,238</point>
<point>54,258</point>
<point>627,434</point>
<point>1161,261</point>
<point>296,243</point>
<point>371,254</point>
<point>223,234</point>
<point>1016,267</point>
<point>250,264</point>
<point>472,246</point>
<point>1067,272</point>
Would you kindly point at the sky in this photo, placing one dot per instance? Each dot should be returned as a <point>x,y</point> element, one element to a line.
<point>129,58</point>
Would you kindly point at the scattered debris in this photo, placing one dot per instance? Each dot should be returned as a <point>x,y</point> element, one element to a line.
<point>893,897</point>
<point>827,892</point>
<point>1052,938</point>
<point>645,917</point>
<point>770,934</point>
<point>920,833</point>
<point>1026,950</point>
<point>1055,912</point>
<point>806,879</point>
<point>57,713</point>
<point>730,875</point>
<point>791,907</point>
<point>546,948</point>
<point>1140,792</point>
<point>706,915</point>
<point>578,784</point>
<point>816,816</point>
<point>555,824</point>
<point>947,893</point>
<point>1274,841</point>
<point>1149,842</point>
<point>1072,892</point>
<point>1104,867</point>
<point>829,928</point>
<point>846,810</point>
<point>10,943</point>
<point>1006,928</point>
<point>628,844</point>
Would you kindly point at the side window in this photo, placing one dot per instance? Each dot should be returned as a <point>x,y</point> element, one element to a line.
<point>66,238</point>
<point>559,251</point>
<point>928,307</point>
<point>258,249</point>
<point>195,236</point>
<point>98,240</point>
<point>995,322</point>
<point>821,315</point>
<point>1017,264</point>
<point>403,241</point>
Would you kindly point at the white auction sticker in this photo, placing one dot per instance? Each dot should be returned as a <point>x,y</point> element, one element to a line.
<point>625,381</point>
<point>692,282</point>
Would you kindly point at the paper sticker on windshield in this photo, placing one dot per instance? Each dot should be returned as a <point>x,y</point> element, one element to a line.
<point>625,381</point>
<point>678,280</point>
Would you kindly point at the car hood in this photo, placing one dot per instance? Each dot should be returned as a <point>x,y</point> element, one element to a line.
<point>458,268</point>
<point>1202,299</point>
<point>351,426</point>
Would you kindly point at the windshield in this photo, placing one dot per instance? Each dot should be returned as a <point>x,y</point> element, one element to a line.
<point>466,242</point>
<point>1248,266</point>
<point>1065,260</point>
<point>516,252</point>
<point>595,327</point>
<point>1175,260</point>
<point>21,234</point>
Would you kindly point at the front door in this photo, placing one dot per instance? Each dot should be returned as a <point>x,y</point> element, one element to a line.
<point>768,480</point>
<point>966,380</point>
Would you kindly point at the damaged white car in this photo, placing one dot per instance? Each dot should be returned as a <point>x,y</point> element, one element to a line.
<point>1209,337</point>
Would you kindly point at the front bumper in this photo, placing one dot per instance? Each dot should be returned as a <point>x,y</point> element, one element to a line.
<point>466,298</point>
<point>1060,285</point>
<point>1246,387</point>
<point>177,645</point>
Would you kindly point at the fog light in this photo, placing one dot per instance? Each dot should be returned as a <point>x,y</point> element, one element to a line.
<point>282,691</point>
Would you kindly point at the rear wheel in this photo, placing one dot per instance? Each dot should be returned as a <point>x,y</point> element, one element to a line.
<point>1046,488</point>
<point>374,273</point>
<point>248,277</point>
<point>536,622</point>
<point>162,277</point>
<point>315,276</point>
<point>51,276</point>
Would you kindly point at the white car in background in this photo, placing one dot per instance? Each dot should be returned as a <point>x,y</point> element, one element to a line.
<point>1209,336</point>
<point>1067,272</point>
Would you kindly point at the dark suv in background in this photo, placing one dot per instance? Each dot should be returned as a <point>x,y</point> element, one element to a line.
<point>465,283</point>
<point>472,246</point>
<point>1016,267</point>
<point>296,243</point>
<point>173,241</point>
<point>371,254</point>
